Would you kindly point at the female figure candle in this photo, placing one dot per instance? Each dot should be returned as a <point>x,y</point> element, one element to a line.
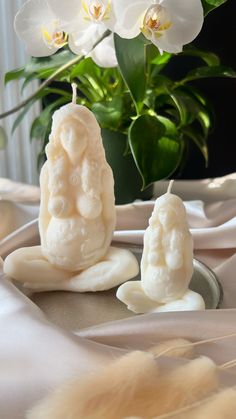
<point>167,262</point>
<point>77,214</point>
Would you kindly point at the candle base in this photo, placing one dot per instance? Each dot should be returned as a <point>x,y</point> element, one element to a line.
<point>132,294</point>
<point>29,267</point>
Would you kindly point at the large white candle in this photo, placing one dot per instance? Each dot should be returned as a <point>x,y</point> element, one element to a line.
<point>77,213</point>
<point>167,262</point>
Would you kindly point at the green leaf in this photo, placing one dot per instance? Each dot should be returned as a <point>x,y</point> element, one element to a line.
<point>198,139</point>
<point>209,5</point>
<point>162,84</point>
<point>86,66</point>
<point>215,3</point>
<point>109,113</point>
<point>206,72</point>
<point>156,155</point>
<point>171,129</point>
<point>197,94</point>
<point>205,120</point>
<point>211,59</point>
<point>28,79</point>
<point>45,63</point>
<point>21,115</point>
<point>162,59</point>
<point>37,130</point>
<point>40,124</point>
<point>14,75</point>
<point>156,62</point>
<point>44,141</point>
<point>46,73</point>
<point>3,138</point>
<point>91,80</point>
<point>187,106</point>
<point>56,91</point>
<point>41,128</point>
<point>131,57</point>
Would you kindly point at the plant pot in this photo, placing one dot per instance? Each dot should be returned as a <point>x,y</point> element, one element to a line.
<point>128,181</point>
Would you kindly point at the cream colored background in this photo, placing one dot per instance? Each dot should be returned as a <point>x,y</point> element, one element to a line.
<point>18,160</point>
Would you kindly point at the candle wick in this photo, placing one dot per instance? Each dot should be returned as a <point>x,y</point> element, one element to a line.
<point>74,95</point>
<point>170,186</point>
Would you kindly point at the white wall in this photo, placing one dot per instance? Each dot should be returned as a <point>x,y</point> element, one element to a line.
<point>18,161</point>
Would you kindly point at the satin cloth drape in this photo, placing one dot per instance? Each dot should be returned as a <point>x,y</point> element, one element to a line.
<point>49,338</point>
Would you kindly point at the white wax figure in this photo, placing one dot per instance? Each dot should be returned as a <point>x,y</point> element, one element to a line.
<point>167,263</point>
<point>77,211</point>
<point>77,214</point>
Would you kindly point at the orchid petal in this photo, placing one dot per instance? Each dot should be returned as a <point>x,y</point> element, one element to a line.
<point>186,22</point>
<point>66,11</point>
<point>71,15</point>
<point>38,48</point>
<point>104,54</point>
<point>176,23</point>
<point>163,45</point>
<point>76,16</point>
<point>35,11</point>
<point>28,25</point>
<point>187,19</point>
<point>121,7</point>
<point>129,16</point>
<point>111,22</point>
<point>82,42</point>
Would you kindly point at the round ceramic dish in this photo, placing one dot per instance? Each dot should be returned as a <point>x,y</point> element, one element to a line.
<point>205,282</point>
<point>74,311</point>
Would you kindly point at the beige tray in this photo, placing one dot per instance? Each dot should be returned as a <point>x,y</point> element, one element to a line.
<point>74,311</point>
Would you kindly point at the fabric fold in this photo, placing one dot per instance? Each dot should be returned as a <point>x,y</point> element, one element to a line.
<point>36,355</point>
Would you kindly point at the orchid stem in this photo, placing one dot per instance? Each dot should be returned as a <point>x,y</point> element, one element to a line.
<point>56,73</point>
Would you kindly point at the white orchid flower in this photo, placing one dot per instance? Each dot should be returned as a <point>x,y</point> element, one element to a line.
<point>88,21</point>
<point>103,54</point>
<point>47,25</point>
<point>169,24</point>
<point>39,28</point>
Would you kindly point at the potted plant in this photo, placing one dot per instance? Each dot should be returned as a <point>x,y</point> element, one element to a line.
<point>119,64</point>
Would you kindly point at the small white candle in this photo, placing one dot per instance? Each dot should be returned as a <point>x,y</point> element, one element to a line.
<point>167,262</point>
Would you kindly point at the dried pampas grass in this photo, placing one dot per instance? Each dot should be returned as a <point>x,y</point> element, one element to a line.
<point>177,348</point>
<point>135,387</point>
<point>130,386</point>
<point>221,405</point>
<point>106,394</point>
